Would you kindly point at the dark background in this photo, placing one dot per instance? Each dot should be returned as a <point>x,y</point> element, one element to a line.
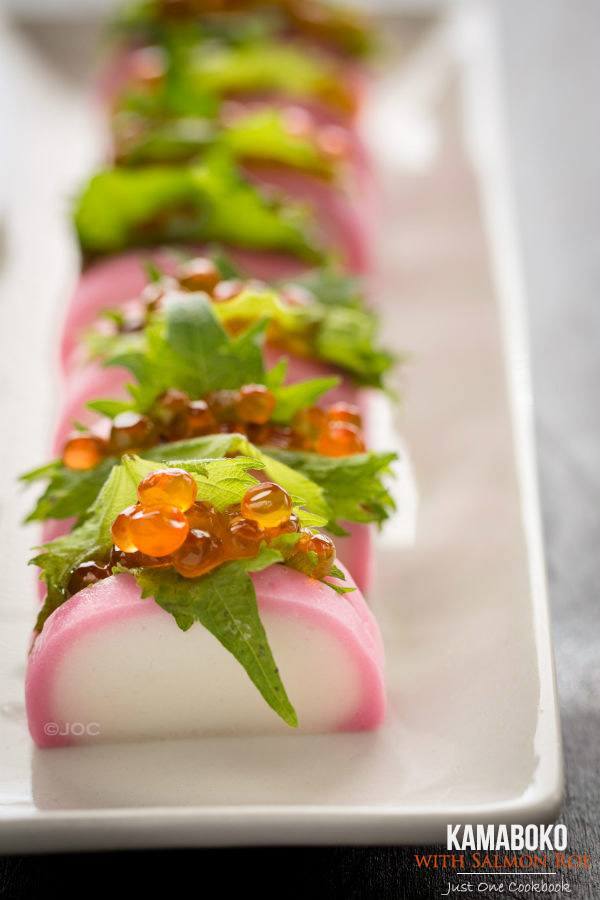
<point>551,57</point>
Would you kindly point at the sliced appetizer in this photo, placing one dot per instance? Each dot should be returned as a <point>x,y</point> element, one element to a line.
<point>215,54</point>
<point>119,281</point>
<point>318,320</point>
<point>331,25</point>
<point>179,574</point>
<point>195,382</point>
<point>281,151</point>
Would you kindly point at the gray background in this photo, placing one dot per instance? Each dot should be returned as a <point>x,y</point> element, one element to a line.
<point>551,55</point>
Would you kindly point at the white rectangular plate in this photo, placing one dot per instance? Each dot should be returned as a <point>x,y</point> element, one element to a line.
<point>472,731</point>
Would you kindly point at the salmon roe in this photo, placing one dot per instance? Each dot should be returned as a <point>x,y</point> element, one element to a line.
<point>313,554</point>
<point>332,431</point>
<point>83,451</point>
<point>309,422</point>
<point>199,419</point>
<point>121,530</point>
<point>136,560</point>
<point>158,530</point>
<point>324,548</point>
<point>243,537</point>
<point>267,504</point>
<point>255,404</point>
<point>130,431</point>
<point>169,413</point>
<point>194,537</point>
<point>85,575</point>
<point>227,290</point>
<point>199,553</point>
<point>199,274</point>
<point>288,526</point>
<point>170,487</point>
<point>344,412</point>
<point>340,439</point>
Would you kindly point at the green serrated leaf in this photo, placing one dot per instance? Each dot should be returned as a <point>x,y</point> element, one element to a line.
<point>144,22</point>
<point>339,588</point>
<point>40,473</point>
<point>189,349</point>
<point>291,398</point>
<point>353,486</point>
<point>336,572</point>
<point>108,407</point>
<point>224,601</point>
<point>69,493</point>
<point>121,208</point>
<point>91,540</point>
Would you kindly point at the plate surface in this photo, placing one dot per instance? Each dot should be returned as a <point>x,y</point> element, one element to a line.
<point>472,733</point>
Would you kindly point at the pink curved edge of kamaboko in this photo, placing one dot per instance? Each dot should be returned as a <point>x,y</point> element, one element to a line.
<point>109,666</point>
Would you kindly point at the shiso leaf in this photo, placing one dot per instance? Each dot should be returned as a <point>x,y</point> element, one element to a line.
<point>335,490</point>
<point>346,30</point>
<point>90,540</point>
<point>353,486</point>
<point>68,493</point>
<point>109,408</point>
<point>189,349</point>
<point>224,601</point>
<point>122,208</point>
<point>344,335</point>
<point>291,398</point>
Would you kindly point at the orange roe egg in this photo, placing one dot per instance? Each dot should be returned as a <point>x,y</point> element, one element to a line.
<point>154,292</point>
<point>338,94</point>
<point>324,547</point>
<point>136,560</point>
<point>170,406</point>
<point>313,554</point>
<point>340,439</point>
<point>344,412</point>
<point>222,404</point>
<point>85,575</point>
<point>200,419</point>
<point>83,451</point>
<point>309,421</point>
<point>130,431</point>
<point>333,141</point>
<point>148,65</point>
<point>227,290</point>
<point>274,436</point>
<point>204,517</point>
<point>267,504</point>
<point>243,538</point>
<point>158,530</point>
<point>121,530</point>
<point>199,553</point>
<point>199,274</point>
<point>290,526</point>
<point>255,404</point>
<point>170,487</point>
<point>296,556</point>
